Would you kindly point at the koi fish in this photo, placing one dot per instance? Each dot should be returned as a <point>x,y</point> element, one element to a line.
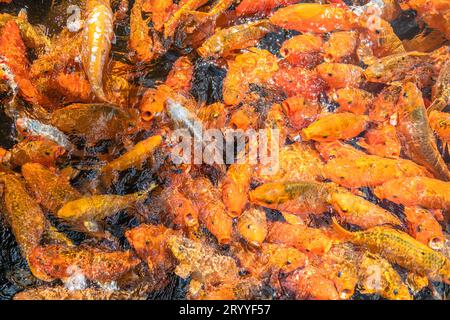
<point>358,211</point>
<point>417,191</point>
<point>23,214</point>
<point>212,212</point>
<point>370,171</point>
<point>60,262</point>
<point>340,75</point>
<point>440,123</point>
<point>252,226</point>
<point>178,16</point>
<point>235,187</point>
<point>423,226</point>
<point>399,248</point>
<point>253,67</point>
<point>382,142</point>
<point>98,207</point>
<point>50,190</point>
<point>339,126</point>
<point>340,45</point>
<point>353,100</point>
<point>304,50</point>
<point>134,158</point>
<point>441,91</point>
<point>98,32</point>
<point>140,42</point>
<point>237,37</point>
<point>32,128</point>
<point>40,151</point>
<point>299,198</point>
<point>301,237</point>
<point>315,18</point>
<point>377,276</point>
<point>261,7</point>
<point>151,245</point>
<point>415,133</point>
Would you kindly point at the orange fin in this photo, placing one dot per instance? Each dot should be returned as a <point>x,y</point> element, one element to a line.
<point>340,231</point>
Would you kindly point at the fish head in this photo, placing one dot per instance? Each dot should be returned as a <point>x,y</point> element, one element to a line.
<point>375,72</point>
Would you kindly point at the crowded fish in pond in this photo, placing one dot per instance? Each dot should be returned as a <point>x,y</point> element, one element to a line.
<point>266,149</point>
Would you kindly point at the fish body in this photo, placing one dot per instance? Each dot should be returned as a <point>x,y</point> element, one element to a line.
<point>253,67</point>
<point>304,50</point>
<point>382,141</point>
<point>440,123</point>
<point>296,162</point>
<point>23,214</point>
<point>201,261</point>
<point>441,89</point>
<point>151,244</point>
<point>340,75</point>
<point>358,211</point>
<point>180,15</point>
<point>252,226</point>
<point>237,37</point>
<point>370,171</point>
<point>134,158</point>
<point>338,126</point>
<point>261,7</point>
<point>185,119</point>
<point>416,191</point>
<point>416,135</point>
<point>61,262</point>
<point>303,238</point>
<point>95,208</point>
<point>41,151</point>
<point>62,293</point>
<point>51,190</point>
<point>13,54</point>
<point>94,122</point>
<point>98,33</point>
<point>400,248</point>
<point>377,276</point>
<point>397,66</point>
<point>33,128</point>
<point>235,188</point>
<point>295,197</point>
<point>316,18</point>
<point>423,226</point>
<point>141,42</point>
<point>212,212</point>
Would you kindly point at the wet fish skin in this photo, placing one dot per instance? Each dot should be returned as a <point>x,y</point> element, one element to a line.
<point>400,248</point>
<point>98,207</point>
<point>25,217</point>
<point>32,127</point>
<point>62,293</point>
<point>416,135</point>
<point>51,190</point>
<point>98,33</point>
<point>60,262</point>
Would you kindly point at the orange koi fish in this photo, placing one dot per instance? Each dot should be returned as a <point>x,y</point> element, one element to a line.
<point>336,126</point>
<point>98,33</point>
<point>418,191</point>
<point>315,18</point>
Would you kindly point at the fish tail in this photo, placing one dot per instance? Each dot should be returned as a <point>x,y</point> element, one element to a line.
<point>340,231</point>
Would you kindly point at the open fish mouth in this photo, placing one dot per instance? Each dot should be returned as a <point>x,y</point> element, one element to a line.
<point>226,150</point>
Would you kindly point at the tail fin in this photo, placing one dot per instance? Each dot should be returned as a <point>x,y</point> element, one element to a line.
<point>340,231</point>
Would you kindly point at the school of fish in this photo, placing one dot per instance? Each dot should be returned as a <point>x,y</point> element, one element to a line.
<point>358,206</point>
